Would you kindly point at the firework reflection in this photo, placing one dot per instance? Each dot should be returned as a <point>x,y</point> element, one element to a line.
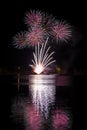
<point>23,114</point>
<point>42,89</point>
<point>61,119</point>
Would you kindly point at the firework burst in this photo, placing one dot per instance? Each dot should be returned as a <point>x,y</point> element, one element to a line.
<point>48,22</point>
<point>33,18</point>
<point>42,58</point>
<point>35,36</point>
<point>19,40</point>
<point>61,31</point>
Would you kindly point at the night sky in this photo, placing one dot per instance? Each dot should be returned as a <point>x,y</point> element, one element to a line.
<point>13,22</point>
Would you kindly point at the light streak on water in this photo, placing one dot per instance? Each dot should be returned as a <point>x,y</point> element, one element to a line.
<point>42,88</point>
<point>23,112</point>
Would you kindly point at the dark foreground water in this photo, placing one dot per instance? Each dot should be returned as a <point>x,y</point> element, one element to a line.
<point>43,103</point>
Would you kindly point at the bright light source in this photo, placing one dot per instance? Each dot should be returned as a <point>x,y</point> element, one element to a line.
<point>41,58</point>
<point>38,69</point>
<point>42,88</point>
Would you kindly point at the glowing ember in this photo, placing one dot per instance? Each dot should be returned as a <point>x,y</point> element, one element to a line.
<point>41,58</point>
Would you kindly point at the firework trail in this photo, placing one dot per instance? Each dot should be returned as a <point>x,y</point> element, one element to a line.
<point>41,26</point>
<point>61,31</point>
<point>41,58</point>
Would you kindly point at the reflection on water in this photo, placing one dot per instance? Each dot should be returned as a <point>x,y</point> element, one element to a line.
<point>38,110</point>
<point>25,113</point>
<point>61,119</point>
<point>42,89</point>
<point>32,119</point>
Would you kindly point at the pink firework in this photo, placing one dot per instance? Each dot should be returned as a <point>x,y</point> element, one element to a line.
<point>61,31</point>
<point>35,36</point>
<point>33,18</point>
<point>19,40</point>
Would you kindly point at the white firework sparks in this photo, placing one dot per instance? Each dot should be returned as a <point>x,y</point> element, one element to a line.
<point>41,58</point>
<point>42,89</point>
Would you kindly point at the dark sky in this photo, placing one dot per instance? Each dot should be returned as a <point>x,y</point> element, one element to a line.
<point>13,22</point>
